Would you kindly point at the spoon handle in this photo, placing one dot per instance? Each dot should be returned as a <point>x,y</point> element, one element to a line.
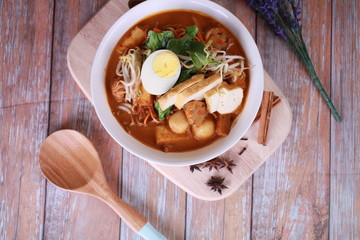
<point>137,222</point>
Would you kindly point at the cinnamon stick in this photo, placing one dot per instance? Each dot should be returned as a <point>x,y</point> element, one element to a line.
<point>276,101</point>
<point>265,111</point>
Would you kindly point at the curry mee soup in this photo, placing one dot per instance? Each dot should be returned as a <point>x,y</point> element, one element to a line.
<point>177,80</point>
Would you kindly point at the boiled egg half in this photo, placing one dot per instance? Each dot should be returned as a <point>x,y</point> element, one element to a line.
<point>160,71</point>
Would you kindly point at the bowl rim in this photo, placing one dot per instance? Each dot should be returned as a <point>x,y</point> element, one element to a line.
<point>130,143</point>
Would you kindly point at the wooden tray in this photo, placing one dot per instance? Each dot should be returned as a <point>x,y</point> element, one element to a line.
<point>80,55</point>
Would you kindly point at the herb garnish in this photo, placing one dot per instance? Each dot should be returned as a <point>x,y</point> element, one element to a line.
<point>162,114</point>
<point>156,41</point>
<point>186,46</point>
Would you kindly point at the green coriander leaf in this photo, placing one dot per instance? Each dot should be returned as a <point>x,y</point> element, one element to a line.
<point>191,32</point>
<point>162,114</point>
<point>156,41</point>
<point>185,74</point>
<point>178,46</point>
<point>199,59</point>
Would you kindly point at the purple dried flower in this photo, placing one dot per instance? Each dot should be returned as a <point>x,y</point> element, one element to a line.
<point>280,14</point>
<point>270,11</point>
<point>295,5</point>
<point>280,32</point>
<point>284,17</point>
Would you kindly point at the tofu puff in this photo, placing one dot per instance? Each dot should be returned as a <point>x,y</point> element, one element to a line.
<point>196,109</point>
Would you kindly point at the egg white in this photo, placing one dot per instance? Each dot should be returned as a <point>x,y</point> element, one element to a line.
<point>151,81</point>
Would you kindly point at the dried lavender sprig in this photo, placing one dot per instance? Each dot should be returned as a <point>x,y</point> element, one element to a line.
<point>284,17</point>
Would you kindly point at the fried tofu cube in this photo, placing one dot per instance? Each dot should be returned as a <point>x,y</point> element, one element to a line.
<point>121,50</point>
<point>196,91</point>
<point>165,136</point>
<point>224,98</point>
<point>195,112</point>
<point>223,124</point>
<point>169,98</point>
<point>136,38</point>
<point>144,98</point>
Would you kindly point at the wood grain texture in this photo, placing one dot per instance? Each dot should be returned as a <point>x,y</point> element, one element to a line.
<point>69,216</point>
<point>26,34</point>
<point>225,219</point>
<point>70,17</point>
<point>24,91</point>
<point>345,137</point>
<point>158,199</point>
<point>22,192</point>
<point>237,213</point>
<point>291,190</point>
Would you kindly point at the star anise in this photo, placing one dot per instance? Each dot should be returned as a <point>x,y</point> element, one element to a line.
<point>215,163</point>
<point>195,167</point>
<point>216,184</point>
<point>229,164</point>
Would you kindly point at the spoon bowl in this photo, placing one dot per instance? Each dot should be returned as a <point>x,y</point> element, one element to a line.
<point>63,164</point>
<point>70,161</point>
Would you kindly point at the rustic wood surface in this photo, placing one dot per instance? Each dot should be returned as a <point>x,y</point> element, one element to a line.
<point>309,189</point>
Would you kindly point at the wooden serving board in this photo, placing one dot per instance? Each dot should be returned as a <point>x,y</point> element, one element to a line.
<point>80,55</point>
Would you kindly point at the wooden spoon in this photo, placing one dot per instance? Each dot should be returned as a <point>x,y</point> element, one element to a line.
<point>69,160</point>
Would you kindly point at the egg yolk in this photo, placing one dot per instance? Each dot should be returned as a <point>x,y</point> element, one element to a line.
<point>165,64</point>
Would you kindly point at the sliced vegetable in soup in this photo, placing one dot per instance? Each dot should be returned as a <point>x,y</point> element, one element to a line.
<point>177,80</point>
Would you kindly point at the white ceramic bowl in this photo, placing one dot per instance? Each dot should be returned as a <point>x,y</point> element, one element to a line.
<point>183,158</point>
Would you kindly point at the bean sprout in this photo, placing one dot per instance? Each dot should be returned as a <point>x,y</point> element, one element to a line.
<point>229,66</point>
<point>129,68</point>
<point>125,109</point>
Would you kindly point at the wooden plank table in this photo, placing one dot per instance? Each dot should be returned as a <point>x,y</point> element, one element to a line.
<point>309,189</point>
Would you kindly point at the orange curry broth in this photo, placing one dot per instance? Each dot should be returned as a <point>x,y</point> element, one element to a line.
<point>175,19</point>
